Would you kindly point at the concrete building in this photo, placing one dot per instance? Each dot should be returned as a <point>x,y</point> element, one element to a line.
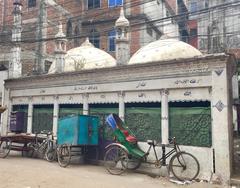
<point>167,88</point>
<point>80,19</point>
<point>216,25</point>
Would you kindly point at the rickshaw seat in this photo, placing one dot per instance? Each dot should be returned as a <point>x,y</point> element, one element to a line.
<point>129,138</point>
<point>115,122</point>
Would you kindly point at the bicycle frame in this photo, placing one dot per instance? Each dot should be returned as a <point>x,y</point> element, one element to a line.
<point>165,155</point>
<point>42,146</point>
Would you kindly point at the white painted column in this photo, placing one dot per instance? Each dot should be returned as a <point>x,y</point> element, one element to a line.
<point>5,115</point>
<point>85,104</point>
<point>55,115</point>
<point>9,116</point>
<point>30,115</point>
<point>165,120</point>
<point>121,110</point>
<point>222,123</point>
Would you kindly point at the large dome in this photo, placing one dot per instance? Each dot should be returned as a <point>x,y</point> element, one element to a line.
<point>85,57</point>
<point>163,50</point>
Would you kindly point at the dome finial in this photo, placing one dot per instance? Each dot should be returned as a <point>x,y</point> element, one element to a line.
<point>87,43</point>
<point>122,21</point>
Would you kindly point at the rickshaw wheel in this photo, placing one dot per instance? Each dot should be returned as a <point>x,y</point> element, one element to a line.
<point>64,155</point>
<point>113,160</point>
<point>132,163</point>
<point>5,147</point>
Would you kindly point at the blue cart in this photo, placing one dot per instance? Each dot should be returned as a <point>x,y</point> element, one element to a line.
<point>75,135</point>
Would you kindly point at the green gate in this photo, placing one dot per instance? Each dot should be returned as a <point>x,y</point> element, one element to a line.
<point>70,109</point>
<point>102,111</point>
<point>42,118</point>
<point>191,125</point>
<point>144,120</point>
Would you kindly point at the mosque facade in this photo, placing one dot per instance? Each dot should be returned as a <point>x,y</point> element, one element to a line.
<point>167,88</point>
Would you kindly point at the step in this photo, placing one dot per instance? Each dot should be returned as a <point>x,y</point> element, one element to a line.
<point>235,180</point>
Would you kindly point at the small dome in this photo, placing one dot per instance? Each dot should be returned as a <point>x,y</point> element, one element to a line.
<point>163,50</point>
<point>122,21</point>
<point>85,57</point>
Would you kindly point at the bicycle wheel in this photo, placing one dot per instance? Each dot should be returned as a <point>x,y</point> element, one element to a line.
<point>5,147</point>
<point>113,160</point>
<point>131,163</point>
<point>50,154</point>
<point>184,166</point>
<point>32,150</point>
<point>64,155</point>
<point>29,150</point>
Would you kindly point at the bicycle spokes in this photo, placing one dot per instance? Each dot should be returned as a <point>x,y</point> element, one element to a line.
<point>184,166</point>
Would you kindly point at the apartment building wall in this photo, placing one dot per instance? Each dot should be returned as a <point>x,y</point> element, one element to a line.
<point>83,21</point>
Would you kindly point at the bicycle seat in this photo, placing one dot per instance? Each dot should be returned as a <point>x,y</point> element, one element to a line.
<point>152,142</point>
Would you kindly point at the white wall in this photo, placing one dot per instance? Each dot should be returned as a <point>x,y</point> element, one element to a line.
<point>201,153</point>
<point>3,76</point>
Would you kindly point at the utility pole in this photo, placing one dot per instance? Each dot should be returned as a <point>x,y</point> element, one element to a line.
<point>39,67</point>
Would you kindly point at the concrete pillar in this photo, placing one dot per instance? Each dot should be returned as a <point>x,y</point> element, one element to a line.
<point>122,39</point>
<point>30,115</point>
<point>5,115</point>
<point>121,111</point>
<point>85,104</point>
<point>222,126</point>
<point>55,116</point>
<point>60,49</point>
<point>165,120</point>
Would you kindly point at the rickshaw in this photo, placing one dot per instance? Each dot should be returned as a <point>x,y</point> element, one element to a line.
<point>125,154</point>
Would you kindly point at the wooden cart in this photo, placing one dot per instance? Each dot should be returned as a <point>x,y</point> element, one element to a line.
<point>17,142</point>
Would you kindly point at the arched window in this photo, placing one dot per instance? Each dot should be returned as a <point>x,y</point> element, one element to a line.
<point>76,36</point>
<point>69,29</point>
<point>111,40</point>
<point>94,38</point>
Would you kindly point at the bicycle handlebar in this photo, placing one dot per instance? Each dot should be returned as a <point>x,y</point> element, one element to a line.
<point>172,140</point>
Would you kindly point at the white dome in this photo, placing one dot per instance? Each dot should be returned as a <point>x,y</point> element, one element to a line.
<point>163,50</point>
<point>85,57</point>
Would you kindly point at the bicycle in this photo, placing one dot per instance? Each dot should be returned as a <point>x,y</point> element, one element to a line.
<point>41,147</point>
<point>125,154</point>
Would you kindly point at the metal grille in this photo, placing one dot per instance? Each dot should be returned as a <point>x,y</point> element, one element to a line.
<point>191,126</point>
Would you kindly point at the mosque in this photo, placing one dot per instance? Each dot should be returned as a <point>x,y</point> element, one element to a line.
<point>167,88</point>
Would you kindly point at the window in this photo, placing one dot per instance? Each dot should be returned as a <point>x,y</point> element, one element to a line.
<point>193,32</point>
<point>193,6</point>
<point>76,36</point>
<point>31,3</point>
<point>93,4</point>
<point>94,38</point>
<point>115,3</point>
<point>69,29</point>
<point>111,40</point>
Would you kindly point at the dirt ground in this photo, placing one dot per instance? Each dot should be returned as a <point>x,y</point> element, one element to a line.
<point>19,172</point>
